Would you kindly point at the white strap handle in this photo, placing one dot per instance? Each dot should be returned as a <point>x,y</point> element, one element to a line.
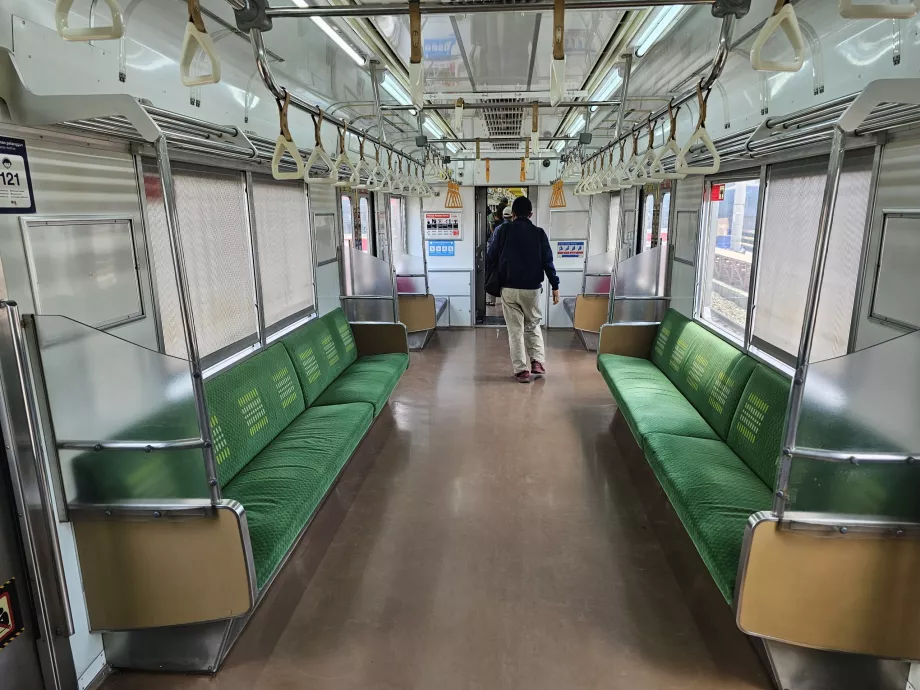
<point>786,19</point>
<point>374,179</point>
<point>340,162</point>
<point>319,155</point>
<point>96,33</point>
<point>355,180</point>
<point>195,39</point>
<point>557,82</point>
<point>458,116</point>
<point>700,136</point>
<point>884,10</point>
<point>287,145</point>
<point>657,168</point>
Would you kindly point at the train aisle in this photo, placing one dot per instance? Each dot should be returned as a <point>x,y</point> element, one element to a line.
<point>497,541</point>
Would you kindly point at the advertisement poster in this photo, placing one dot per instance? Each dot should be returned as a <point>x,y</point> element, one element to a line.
<point>442,226</point>
<point>15,180</point>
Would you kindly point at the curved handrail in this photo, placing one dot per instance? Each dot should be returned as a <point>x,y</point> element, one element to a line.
<point>94,33</point>
<point>783,17</point>
<point>196,36</point>
<point>883,10</point>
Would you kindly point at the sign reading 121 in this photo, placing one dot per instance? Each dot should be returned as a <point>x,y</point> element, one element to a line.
<point>15,179</point>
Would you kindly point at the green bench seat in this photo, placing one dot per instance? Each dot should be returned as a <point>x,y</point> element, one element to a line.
<point>709,420</point>
<point>284,484</point>
<point>287,420</point>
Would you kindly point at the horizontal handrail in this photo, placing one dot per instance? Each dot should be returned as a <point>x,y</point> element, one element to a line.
<point>387,297</point>
<point>145,446</point>
<point>627,298</point>
<point>853,458</point>
<point>144,508</point>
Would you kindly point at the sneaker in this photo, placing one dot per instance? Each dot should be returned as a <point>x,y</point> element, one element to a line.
<point>523,377</point>
<point>537,369</point>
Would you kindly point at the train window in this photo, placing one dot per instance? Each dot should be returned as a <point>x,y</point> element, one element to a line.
<point>664,216</point>
<point>348,221</point>
<point>84,268</point>
<point>285,252</point>
<point>729,252</point>
<point>789,229</point>
<point>894,296</point>
<point>398,224</point>
<point>364,218</point>
<point>649,219</point>
<point>613,227</point>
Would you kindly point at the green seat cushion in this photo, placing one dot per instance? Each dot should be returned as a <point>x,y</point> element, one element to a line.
<point>655,406</point>
<point>714,493</point>
<point>369,380</point>
<point>621,368</point>
<point>316,357</point>
<point>249,405</point>
<point>756,433</point>
<point>344,339</point>
<point>283,485</point>
<point>716,374</point>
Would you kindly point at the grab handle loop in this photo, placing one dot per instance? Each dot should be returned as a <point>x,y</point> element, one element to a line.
<point>557,66</point>
<point>657,169</point>
<point>319,155</point>
<point>883,10</point>
<point>700,136</point>
<point>416,68</point>
<point>355,179</point>
<point>197,36</point>
<point>534,127</point>
<point>343,160</point>
<point>95,33</point>
<point>285,143</point>
<point>783,17</point>
<point>373,180</point>
<point>458,115</point>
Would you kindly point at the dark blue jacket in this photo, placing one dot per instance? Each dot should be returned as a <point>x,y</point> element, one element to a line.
<point>521,252</point>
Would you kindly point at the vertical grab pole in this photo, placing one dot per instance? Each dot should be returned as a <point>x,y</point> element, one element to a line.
<point>621,115</point>
<point>812,301</point>
<point>254,245</point>
<point>392,263</point>
<point>421,232</point>
<point>185,306</point>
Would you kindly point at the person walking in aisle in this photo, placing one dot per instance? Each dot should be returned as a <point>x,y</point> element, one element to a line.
<point>521,254</point>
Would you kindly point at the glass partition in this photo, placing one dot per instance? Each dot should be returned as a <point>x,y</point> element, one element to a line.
<point>368,294</point>
<point>101,388</point>
<point>597,273</point>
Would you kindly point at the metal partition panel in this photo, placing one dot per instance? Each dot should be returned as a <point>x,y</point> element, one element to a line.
<point>366,275</point>
<point>102,389</point>
<point>867,402</point>
<point>597,273</point>
<point>640,275</point>
<point>410,274</point>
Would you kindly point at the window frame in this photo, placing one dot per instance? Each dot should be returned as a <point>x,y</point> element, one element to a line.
<point>704,247</point>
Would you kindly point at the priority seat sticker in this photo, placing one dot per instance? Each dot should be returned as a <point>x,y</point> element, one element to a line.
<point>15,179</point>
<point>11,623</point>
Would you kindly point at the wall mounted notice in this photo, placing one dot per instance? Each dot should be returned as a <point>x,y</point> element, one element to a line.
<point>570,249</point>
<point>15,180</point>
<point>441,248</point>
<point>443,226</point>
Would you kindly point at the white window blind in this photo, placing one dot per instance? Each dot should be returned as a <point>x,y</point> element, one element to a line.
<point>285,249</point>
<point>790,228</point>
<point>214,229</point>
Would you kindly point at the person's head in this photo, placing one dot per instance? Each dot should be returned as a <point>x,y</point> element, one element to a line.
<point>506,213</point>
<point>522,208</point>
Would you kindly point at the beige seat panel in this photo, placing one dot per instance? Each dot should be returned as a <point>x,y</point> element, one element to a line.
<point>591,312</point>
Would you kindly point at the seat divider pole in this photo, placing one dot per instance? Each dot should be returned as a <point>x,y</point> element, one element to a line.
<point>812,301</point>
<point>185,306</point>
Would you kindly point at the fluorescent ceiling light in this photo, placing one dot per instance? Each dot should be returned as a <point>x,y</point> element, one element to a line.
<point>453,148</point>
<point>433,128</point>
<point>607,88</point>
<point>663,20</point>
<point>396,90</point>
<point>558,145</point>
<point>577,127</point>
<point>335,36</point>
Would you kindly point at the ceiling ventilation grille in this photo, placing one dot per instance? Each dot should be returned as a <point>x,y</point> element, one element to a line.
<point>504,122</point>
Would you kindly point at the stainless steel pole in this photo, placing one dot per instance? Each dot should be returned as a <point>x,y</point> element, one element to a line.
<point>812,301</point>
<point>185,306</point>
<point>254,245</point>
<point>621,114</point>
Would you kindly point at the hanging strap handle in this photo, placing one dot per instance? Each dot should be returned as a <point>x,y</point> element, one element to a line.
<point>557,66</point>
<point>285,143</point>
<point>783,17</point>
<point>197,36</point>
<point>657,169</point>
<point>883,10</point>
<point>319,153</point>
<point>97,33</point>
<point>700,136</point>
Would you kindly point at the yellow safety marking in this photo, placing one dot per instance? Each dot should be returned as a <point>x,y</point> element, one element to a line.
<point>308,359</point>
<point>332,355</point>
<point>662,340</point>
<point>680,354</point>
<point>285,385</point>
<point>721,389</point>
<point>697,371</point>
<point>751,418</point>
<point>347,337</point>
<point>221,447</point>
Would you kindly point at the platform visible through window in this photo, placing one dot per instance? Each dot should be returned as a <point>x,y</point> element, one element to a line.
<point>729,255</point>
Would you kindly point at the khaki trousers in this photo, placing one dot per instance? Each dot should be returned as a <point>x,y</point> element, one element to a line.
<point>523,318</point>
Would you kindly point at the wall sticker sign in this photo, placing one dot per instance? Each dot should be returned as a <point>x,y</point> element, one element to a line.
<point>443,226</point>
<point>441,248</point>
<point>11,623</point>
<point>570,250</point>
<point>718,192</point>
<point>15,179</point>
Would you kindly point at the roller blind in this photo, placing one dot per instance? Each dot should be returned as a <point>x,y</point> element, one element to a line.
<point>789,232</point>
<point>285,249</point>
<point>214,228</point>
<point>614,226</point>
